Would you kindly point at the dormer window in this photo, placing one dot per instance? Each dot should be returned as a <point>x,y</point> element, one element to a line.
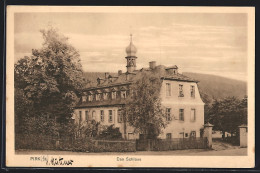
<point>105,96</point>
<point>84,98</point>
<point>173,70</point>
<point>98,97</point>
<point>90,98</point>
<point>123,94</point>
<point>181,94</point>
<point>113,94</point>
<point>110,79</point>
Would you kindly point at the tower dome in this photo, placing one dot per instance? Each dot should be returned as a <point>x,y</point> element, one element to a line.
<point>131,49</point>
<point>131,58</point>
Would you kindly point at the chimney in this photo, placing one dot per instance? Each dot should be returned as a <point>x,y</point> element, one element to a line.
<point>119,72</point>
<point>98,81</point>
<point>152,64</point>
<point>106,75</point>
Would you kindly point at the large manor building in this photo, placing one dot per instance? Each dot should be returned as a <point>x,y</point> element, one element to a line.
<point>179,94</point>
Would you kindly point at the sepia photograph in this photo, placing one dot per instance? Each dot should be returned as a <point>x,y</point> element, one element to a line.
<point>128,86</point>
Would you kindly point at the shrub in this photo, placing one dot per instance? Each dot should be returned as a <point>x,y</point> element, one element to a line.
<point>110,133</point>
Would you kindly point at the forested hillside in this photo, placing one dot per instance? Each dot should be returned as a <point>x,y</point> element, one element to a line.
<point>217,87</point>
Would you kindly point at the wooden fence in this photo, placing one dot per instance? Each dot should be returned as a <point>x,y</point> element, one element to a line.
<point>70,144</point>
<point>171,144</point>
<point>116,146</point>
<point>41,142</point>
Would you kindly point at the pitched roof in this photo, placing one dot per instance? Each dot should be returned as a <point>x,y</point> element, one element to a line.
<point>179,77</point>
<point>127,78</point>
<point>103,103</point>
<point>120,82</point>
<point>172,67</point>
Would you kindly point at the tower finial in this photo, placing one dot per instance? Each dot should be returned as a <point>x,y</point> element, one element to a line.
<point>131,37</point>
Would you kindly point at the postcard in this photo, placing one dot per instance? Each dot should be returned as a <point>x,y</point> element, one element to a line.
<point>130,86</point>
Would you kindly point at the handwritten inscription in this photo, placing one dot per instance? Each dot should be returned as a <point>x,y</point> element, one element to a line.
<point>53,161</point>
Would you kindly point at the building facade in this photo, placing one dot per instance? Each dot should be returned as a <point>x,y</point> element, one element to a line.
<point>179,94</point>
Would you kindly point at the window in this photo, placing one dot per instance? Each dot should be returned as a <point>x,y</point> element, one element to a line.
<point>110,117</point>
<point>168,136</point>
<point>80,116</point>
<point>84,98</point>
<point>168,89</point>
<point>193,115</point>
<point>105,96</point>
<point>168,114</point>
<point>102,115</point>
<point>120,116</point>
<point>113,95</point>
<point>181,114</point>
<point>181,91</point>
<point>98,97</point>
<point>90,98</point>
<point>193,134</point>
<point>94,115</point>
<point>123,94</point>
<point>110,79</point>
<point>186,135</point>
<point>192,91</point>
<point>86,116</point>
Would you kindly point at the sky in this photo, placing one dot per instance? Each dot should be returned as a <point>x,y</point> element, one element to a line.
<point>209,43</point>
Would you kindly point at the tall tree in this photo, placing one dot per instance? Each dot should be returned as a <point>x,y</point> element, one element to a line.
<point>144,111</point>
<point>227,114</point>
<point>48,81</point>
<point>208,102</point>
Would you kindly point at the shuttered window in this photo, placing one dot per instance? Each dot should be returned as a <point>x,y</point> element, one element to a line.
<point>168,114</point>
<point>168,89</point>
<point>102,115</point>
<point>181,114</point>
<point>193,115</point>
<point>110,116</point>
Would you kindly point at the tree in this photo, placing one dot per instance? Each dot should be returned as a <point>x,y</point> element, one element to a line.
<point>208,103</point>
<point>144,111</point>
<point>48,81</point>
<point>227,114</point>
<point>91,128</point>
